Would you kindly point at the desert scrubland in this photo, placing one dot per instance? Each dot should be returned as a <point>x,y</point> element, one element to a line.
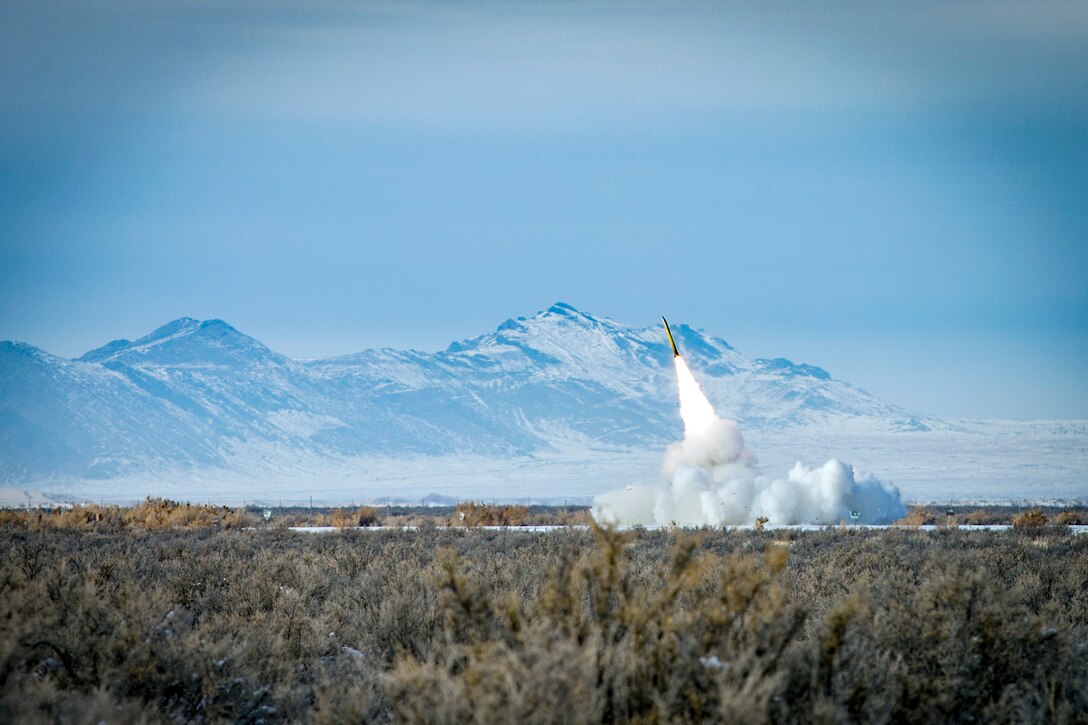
<point>161,614</point>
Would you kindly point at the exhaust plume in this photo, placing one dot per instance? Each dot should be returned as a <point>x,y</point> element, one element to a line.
<point>710,479</point>
<point>695,410</point>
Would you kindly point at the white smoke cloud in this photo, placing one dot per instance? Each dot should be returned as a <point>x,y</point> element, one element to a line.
<point>710,479</point>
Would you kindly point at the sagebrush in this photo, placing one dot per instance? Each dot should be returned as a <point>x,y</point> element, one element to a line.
<point>450,625</point>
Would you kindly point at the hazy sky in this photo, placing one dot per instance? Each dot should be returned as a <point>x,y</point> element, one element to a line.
<point>897,192</point>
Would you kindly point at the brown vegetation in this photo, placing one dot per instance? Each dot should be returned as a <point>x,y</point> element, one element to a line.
<point>1070,517</point>
<point>151,513</point>
<point>212,624</point>
<point>977,515</point>
<point>919,516</point>
<point>363,516</point>
<point>468,513</point>
<point>1030,520</point>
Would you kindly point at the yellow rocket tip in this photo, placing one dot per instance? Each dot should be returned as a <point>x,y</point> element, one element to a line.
<point>675,352</point>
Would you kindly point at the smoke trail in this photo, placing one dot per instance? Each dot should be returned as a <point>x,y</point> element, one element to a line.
<point>710,478</point>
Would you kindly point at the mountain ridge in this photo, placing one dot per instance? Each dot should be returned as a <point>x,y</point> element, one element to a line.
<point>193,394</point>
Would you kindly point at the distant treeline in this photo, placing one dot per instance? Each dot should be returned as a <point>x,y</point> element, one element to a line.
<point>157,512</point>
<point>136,619</point>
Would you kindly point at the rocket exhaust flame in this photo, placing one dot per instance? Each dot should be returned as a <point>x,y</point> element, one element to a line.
<point>711,479</point>
<point>695,410</point>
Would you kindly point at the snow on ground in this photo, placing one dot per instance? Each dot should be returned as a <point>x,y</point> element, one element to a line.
<point>991,461</point>
<point>996,461</point>
<point>19,498</point>
<point>1075,530</point>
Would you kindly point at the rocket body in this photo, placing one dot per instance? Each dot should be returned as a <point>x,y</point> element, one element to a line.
<point>675,352</point>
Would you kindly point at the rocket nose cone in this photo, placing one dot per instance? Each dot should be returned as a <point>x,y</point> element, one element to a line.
<point>672,343</point>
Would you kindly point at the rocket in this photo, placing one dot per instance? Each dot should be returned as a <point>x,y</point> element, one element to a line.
<point>675,352</point>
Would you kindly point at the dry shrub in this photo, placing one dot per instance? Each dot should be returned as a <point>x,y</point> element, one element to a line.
<point>573,517</point>
<point>980,517</point>
<point>598,643</point>
<point>286,520</point>
<point>403,520</point>
<point>918,516</point>
<point>1070,518</point>
<point>157,512</point>
<point>1030,520</point>
<point>16,517</point>
<point>363,516</point>
<point>468,513</point>
<point>343,518</point>
<point>206,624</point>
<point>151,513</point>
<point>367,516</point>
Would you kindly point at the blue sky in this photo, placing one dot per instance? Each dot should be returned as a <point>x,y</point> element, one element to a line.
<point>895,192</point>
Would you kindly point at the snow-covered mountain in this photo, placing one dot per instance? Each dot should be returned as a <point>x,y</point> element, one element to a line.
<point>201,396</point>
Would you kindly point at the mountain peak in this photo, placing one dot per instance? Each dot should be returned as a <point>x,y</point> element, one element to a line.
<point>787,368</point>
<point>565,315</point>
<point>182,324</point>
<point>562,308</point>
<point>114,347</point>
<point>10,347</point>
<point>564,311</point>
<point>183,340</point>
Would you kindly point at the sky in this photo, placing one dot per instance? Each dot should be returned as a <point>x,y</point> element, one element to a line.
<point>896,192</point>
